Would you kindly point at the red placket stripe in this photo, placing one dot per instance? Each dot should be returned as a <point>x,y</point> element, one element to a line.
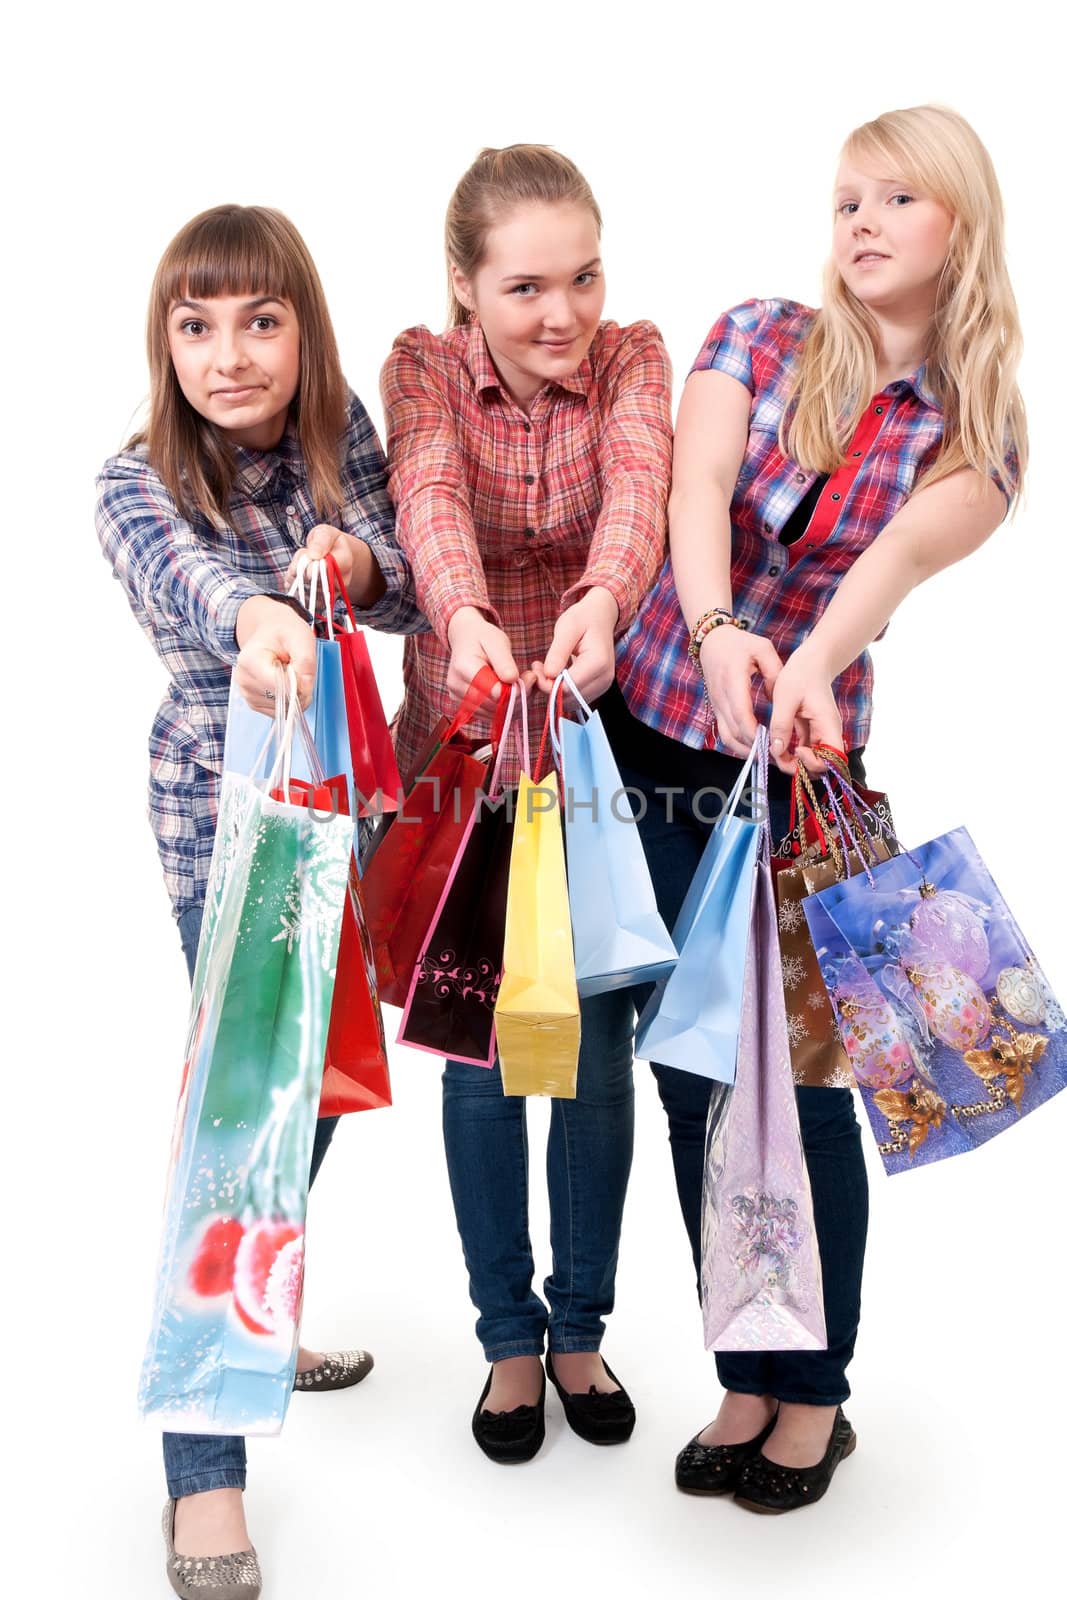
<point>836,489</point>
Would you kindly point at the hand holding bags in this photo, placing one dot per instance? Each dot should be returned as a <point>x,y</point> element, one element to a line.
<point>222,1350</point>
<point>691,1020</point>
<point>761,1278</point>
<point>949,1022</point>
<point>619,936</point>
<point>377,782</point>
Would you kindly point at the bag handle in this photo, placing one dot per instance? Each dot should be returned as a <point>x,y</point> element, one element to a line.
<point>479,689</point>
<point>524,733</point>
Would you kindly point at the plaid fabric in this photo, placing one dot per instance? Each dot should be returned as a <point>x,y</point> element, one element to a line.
<point>518,514</point>
<point>782,590</point>
<point>186,582</point>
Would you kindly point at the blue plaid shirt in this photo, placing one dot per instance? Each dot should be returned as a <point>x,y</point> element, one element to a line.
<point>186,582</point>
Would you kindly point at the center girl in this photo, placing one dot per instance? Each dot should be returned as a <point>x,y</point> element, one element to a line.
<point>530,457</point>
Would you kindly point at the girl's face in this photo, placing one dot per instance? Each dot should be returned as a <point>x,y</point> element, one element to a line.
<point>890,241</point>
<point>237,361</point>
<point>538,294</point>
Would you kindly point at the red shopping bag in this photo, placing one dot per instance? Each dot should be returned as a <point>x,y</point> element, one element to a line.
<point>374,768</point>
<point>355,1075</point>
<point>409,863</point>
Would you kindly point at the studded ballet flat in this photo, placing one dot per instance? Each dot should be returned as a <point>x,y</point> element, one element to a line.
<point>769,1488</point>
<point>338,1369</point>
<point>509,1436</point>
<point>231,1577</point>
<point>716,1468</point>
<point>597,1418</point>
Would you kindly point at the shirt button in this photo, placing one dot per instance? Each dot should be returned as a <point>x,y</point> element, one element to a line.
<point>774,571</point>
<point>529,532</point>
<point>800,478</point>
<point>529,478</point>
<point>835,497</point>
<point>290,511</point>
<point>526,427</point>
<point>878,410</point>
<point>857,452</point>
<point>767,528</point>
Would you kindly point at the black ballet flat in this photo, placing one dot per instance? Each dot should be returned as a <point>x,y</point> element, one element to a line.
<point>771,1489</point>
<point>597,1418</point>
<point>716,1468</point>
<point>509,1436</point>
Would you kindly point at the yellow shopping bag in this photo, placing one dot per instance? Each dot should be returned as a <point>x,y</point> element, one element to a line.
<point>538,1030</point>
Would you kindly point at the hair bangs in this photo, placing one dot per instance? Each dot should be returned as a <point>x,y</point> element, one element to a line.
<point>227,251</point>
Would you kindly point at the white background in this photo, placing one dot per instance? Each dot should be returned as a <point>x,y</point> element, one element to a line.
<point>710,139</point>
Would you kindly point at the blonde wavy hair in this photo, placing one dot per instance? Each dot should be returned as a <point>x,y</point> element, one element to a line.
<point>493,185</point>
<point>973,356</point>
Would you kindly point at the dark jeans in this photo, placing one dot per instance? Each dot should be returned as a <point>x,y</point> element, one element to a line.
<point>674,830</point>
<point>194,1461</point>
<point>590,1144</point>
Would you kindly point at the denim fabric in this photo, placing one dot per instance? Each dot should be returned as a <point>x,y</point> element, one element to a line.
<point>590,1144</point>
<point>195,1462</point>
<point>674,830</point>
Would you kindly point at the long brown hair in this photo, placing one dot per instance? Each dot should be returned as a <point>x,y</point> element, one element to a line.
<point>975,340</point>
<point>241,250</point>
<point>495,183</point>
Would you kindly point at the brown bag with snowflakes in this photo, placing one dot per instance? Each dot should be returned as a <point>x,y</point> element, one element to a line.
<point>810,859</point>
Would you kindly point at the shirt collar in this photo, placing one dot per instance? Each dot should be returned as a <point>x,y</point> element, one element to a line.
<point>256,469</point>
<point>919,383</point>
<point>485,376</point>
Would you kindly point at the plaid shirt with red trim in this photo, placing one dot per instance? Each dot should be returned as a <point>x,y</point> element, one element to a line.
<point>782,590</point>
<point>515,513</point>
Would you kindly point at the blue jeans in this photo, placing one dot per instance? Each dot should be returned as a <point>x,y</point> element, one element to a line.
<point>194,1461</point>
<point>590,1144</point>
<point>674,831</point>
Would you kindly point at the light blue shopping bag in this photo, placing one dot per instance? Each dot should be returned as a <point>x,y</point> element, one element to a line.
<point>692,1020</point>
<point>619,936</point>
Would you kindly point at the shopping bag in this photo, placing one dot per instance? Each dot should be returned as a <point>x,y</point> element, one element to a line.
<point>355,1074</point>
<point>538,1029</point>
<point>377,782</point>
<point>691,1018</point>
<point>223,1345</point>
<point>413,851</point>
<point>821,857</point>
<point>620,939</point>
<point>950,1024</point>
<point>760,1275</point>
<point>451,999</point>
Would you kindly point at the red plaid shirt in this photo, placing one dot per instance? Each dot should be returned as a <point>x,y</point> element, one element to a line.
<point>782,590</point>
<point>519,514</point>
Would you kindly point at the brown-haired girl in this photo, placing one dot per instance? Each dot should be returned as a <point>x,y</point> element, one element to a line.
<point>253,441</point>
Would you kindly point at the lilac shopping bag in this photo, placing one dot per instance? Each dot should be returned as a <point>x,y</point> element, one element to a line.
<point>760,1273</point>
<point>949,1022</point>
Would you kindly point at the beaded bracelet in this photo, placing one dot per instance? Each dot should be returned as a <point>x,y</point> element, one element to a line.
<point>707,624</point>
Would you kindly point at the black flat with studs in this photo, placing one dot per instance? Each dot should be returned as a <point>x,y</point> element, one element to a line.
<point>769,1488</point>
<point>716,1468</point>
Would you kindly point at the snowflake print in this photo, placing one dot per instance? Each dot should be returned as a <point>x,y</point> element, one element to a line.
<point>797,1029</point>
<point>792,971</point>
<point>791,916</point>
<point>816,1000</point>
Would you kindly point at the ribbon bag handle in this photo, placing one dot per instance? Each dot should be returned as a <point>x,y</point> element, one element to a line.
<point>479,689</point>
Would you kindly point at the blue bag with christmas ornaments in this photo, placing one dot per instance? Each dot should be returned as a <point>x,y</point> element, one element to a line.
<point>948,1021</point>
